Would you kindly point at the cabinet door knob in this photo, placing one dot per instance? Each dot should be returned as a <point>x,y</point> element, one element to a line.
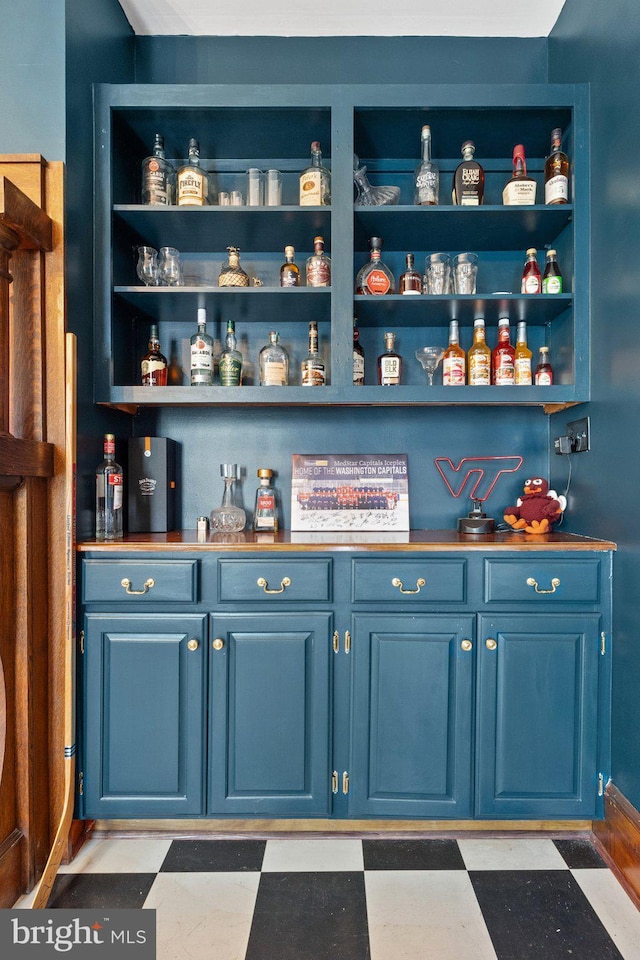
<point>466,645</point>
<point>534,583</point>
<point>192,644</point>
<point>284,583</point>
<point>126,583</point>
<point>218,644</point>
<point>420,582</point>
<point>490,644</point>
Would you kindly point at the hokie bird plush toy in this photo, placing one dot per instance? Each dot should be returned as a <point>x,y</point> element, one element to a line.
<point>537,510</point>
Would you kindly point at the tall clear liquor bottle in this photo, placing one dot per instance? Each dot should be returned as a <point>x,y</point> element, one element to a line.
<point>520,190</point>
<point>375,277</point>
<point>468,179</point>
<point>158,176</point>
<point>358,357</point>
<point>454,360</point>
<point>318,266</point>
<point>192,180</point>
<point>523,357</point>
<point>153,366</point>
<point>201,348</point>
<point>289,271</point>
<point>389,363</point>
<point>556,171</point>
<point>315,181</point>
<point>313,369</point>
<point>109,493</point>
<point>230,363</point>
<point>503,357</point>
<point>479,357</point>
<point>265,514</point>
<point>410,281</point>
<point>427,177</point>
<point>273,363</point>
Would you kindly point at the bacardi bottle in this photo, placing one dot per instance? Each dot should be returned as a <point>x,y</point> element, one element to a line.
<point>375,277</point>
<point>454,360</point>
<point>153,365</point>
<point>520,190</point>
<point>315,181</point>
<point>556,171</point>
<point>201,346</point>
<point>389,363</point>
<point>426,175</point>
<point>468,179</point>
<point>158,176</point>
<point>193,182</point>
<point>109,493</point>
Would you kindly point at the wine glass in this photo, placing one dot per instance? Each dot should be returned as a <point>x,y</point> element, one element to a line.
<point>147,266</point>
<point>170,267</point>
<point>430,357</point>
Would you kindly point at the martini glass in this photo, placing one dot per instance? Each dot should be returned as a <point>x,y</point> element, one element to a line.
<point>430,357</point>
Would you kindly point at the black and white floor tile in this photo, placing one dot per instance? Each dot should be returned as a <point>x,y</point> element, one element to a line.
<point>371,899</point>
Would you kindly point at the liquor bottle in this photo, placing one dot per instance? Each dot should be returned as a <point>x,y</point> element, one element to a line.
<point>158,176</point>
<point>410,281</point>
<point>318,267</point>
<point>109,493</point>
<point>479,357</point>
<point>230,363</point>
<point>389,363</point>
<point>426,178</point>
<point>193,183</point>
<point>556,171</point>
<point>552,278</point>
<point>289,272</point>
<point>523,357</point>
<point>315,181</point>
<point>468,179</point>
<point>375,277</point>
<point>531,276</point>
<point>520,190</point>
<point>454,360</point>
<point>154,364</point>
<point>273,363</point>
<point>265,514</point>
<point>231,273</point>
<point>313,370</point>
<point>201,348</point>
<point>544,370</point>
<point>358,357</point>
<point>503,357</point>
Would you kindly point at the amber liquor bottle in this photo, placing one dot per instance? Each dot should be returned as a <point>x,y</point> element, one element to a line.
<point>468,179</point>
<point>479,357</point>
<point>520,190</point>
<point>389,363</point>
<point>289,271</point>
<point>410,281</point>
<point>358,357</point>
<point>454,360</point>
<point>375,277</point>
<point>153,365</point>
<point>503,357</point>
<point>313,369</point>
<point>544,370</point>
<point>158,176</point>
<point>523,357</point>
<point>318,266</point>
<point>556,171</point>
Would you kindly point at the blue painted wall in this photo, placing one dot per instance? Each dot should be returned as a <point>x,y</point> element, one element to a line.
<point>599,43</point>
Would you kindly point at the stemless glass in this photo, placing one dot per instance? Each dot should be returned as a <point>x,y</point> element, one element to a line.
<point>170,267</point>
<point>465,272</point>
<point>437,270</point>
<point>147,266</point>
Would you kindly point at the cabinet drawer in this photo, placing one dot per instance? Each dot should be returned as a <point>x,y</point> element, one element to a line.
<point>539,581</point>
<point>139,581</point>
<point>406,580</point>
<point>289,579</point>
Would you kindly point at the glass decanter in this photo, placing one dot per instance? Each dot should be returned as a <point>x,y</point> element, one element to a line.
<point>228,518</point>
<point>369,196</point>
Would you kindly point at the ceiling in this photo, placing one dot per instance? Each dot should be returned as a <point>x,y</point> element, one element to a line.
<point>332,18</point>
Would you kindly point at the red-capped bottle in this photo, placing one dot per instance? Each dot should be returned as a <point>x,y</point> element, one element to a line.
<point>503,357</point>
<point>531,276</point>
<point>544,370</point>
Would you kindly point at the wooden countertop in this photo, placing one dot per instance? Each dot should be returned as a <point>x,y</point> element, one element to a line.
<point>288,541</point>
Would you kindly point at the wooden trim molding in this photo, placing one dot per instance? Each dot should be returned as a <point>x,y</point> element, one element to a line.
<point>618,838</point>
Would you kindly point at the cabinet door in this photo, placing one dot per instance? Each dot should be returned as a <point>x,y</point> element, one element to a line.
<point>411,715</point>
<point>143,708</point>
<point>269,714</point>
<point>536,750</point>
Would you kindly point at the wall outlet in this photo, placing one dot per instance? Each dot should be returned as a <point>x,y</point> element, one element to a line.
<point>579,435</point>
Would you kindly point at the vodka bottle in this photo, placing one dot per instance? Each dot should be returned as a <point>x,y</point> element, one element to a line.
<point>109,493</point>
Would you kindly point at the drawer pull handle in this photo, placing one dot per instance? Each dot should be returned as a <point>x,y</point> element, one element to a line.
<point>126,583</point>
<point>490,644</point>
<point>192,644</point>
<point>218,644</point>
<point>420,582</point>
<point>284,583</point>
<point>466,645</point>
<point>534,583</point>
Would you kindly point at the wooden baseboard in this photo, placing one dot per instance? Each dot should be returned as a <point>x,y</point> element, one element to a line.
<point>618,839</point>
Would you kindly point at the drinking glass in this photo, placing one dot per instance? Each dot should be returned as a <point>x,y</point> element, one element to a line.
<point>255,187</point>
<point>437,270</point>
<point>430,357</point>
<point>465,272</point>
<point>274,188</point>
<point>170,267</point>
<point>147,266</point>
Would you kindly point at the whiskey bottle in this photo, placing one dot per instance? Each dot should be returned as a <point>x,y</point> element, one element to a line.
<point>503,357</point>
<point>375,277</point>
<point>544,370</point>
<point>454,360</point>
<point>289,272</point>
<point>318,267</point>
<point>315,181</point>
<point>273,363</point>
<point>426,179</point>
<point>230,363</point>
<point>552,278</point>
<point>109,493</point>
<point>479,357</point>
<point>158,176</point>
<point>313,369</point>
<point>231,273</point>
<point>520,190</point>
<point>389,363</point>
<point>410,281</point>
<point>468,179</point>
<point>193,183</point>
<point>265,514</point>
<point>556,171</point>
<point>154,364</point>
<point>201,349</point>
<point>358,357</point>
<point>522,358</point>
<point>531,276</point>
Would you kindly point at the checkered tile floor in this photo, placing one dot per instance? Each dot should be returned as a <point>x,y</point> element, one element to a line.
<point>371,899</point>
